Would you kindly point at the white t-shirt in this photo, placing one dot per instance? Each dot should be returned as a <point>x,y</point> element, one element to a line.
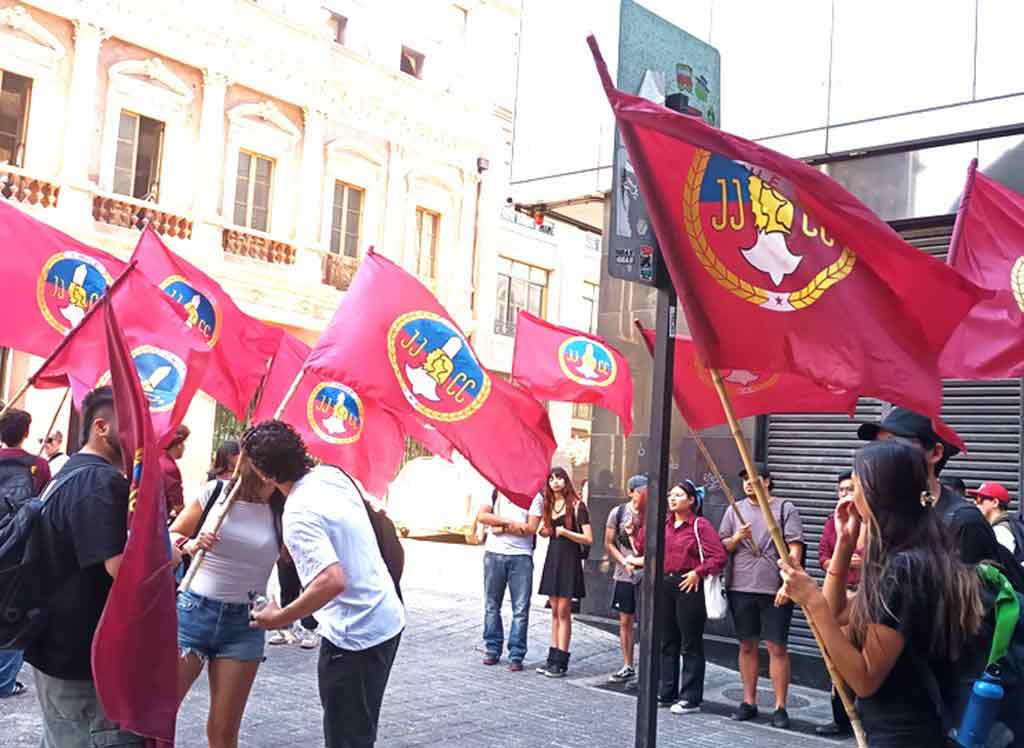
<point>506,543</point>
<point>241,561</point>
<point>325,522</point>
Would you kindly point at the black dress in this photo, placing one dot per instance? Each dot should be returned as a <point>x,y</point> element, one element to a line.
<point>563,567</point>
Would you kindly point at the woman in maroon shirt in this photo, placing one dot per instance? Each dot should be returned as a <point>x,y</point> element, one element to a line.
<point>687,536</point>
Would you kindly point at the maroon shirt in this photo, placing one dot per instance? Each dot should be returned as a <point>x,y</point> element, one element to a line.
<point>173,492</point>
<point>40,467</point>
<point>827,547</point>
<point>681,552</point>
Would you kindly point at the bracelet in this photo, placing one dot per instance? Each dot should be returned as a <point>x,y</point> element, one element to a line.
<point>180,544</point>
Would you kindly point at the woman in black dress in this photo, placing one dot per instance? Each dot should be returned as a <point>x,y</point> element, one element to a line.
<point>567,524</point>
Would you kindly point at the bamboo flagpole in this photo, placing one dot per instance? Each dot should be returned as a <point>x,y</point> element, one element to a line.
<point>781,547</point>
<point>53,421</point>
<point>227,501</point>
<point>725,487</point>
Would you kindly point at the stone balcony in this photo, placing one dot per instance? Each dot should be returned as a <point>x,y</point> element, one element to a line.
<point>127,212</point>
<point>337,271</point>
<point>19,187</point>
<point>257,246</point>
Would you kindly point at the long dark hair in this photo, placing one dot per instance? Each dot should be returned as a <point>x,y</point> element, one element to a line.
<point>222,458</point>
<point>571,499</point>
<point>894,479</point>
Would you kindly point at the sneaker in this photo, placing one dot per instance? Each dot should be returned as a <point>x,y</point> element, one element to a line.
<point>277,636</point>
<point>831,730</point>
<point>555,671</point>
<point>622,675</point>
<point>16,690</point>
<point>780,719</point>
<point>665,703</point>
<point>309,640</point>
<point>744,712</point>
<point>490,660</point>
<point>515,667</point>
<point>684,707</point>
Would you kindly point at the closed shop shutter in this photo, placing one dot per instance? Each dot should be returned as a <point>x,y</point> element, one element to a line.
<point>806,452</point>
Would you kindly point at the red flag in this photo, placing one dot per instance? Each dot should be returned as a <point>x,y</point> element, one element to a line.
<point>988,249</point>
<point>241,345</point>
<point>426,435</point>
<point>557,363</point>
<point>50,281</point>
<point>338,426</point>
<point>135,648</point>
<point>170,361</point>
<point>781,269</point>
<point>392,342</point>
<point>752,393</point>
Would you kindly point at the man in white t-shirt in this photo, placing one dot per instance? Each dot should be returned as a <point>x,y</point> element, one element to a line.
<point>508,562</point>
<point>347,586</point>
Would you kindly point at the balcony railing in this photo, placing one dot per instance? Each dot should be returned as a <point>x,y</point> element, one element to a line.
<point>22,188</point>
<point>338,270</point>
<point>257,247</point>
<point>130,213</point>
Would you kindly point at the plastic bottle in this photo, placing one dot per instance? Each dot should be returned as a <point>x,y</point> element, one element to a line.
<point>258,602</point>
<point>980,715</point>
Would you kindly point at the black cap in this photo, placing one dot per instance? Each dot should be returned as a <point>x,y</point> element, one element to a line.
<point>762,470</point>
<point>907,424</point>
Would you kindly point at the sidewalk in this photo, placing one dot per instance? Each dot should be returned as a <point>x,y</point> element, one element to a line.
<point>441,694</point>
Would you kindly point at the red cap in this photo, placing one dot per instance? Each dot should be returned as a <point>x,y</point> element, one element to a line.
<point>992,490</point>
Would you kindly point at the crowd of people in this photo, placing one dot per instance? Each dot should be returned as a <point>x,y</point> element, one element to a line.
<point>900,603</point>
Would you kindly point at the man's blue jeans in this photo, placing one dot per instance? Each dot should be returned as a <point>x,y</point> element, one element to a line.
<point>10,664</point>
<point>516,573</point>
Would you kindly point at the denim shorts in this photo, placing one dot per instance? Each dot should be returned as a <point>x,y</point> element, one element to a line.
<point>210,629</point>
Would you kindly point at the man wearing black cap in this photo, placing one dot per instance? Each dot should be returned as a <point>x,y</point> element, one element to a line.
<point>974,536</point>
<point>759,609</point>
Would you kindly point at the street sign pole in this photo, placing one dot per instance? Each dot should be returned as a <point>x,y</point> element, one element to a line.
<point>654,520</point>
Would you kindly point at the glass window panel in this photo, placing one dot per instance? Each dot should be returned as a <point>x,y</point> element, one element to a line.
<point>339,197</point>
<point>124,154</point>
<point>259,219</point>
<point>263,169</point>
<point>261,195</point>
<point>351,245</point>
<point>126,126</point>
<point>241,213</point>
<point>355,199</point>
<point>1003,160</point>
<point>935,68</point>
<point>517,293</point>
<point>535,302</point>
<point>147,160</point>
<point>244,164</point>
<point>539,276</point>
<point>335,241</point>
<point>519,270</point>
<point>504,265</point>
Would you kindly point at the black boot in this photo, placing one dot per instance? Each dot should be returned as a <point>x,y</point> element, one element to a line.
<point>552,658</point>
<point>560,666</point>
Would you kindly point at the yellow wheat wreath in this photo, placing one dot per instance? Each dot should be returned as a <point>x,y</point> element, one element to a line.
<point>800,299</point>
<point>1017,281</point>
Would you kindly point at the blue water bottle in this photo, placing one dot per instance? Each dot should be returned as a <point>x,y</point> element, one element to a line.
<point>980,715</point>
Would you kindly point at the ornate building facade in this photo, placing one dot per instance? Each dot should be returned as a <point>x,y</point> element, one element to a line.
<point>271,143</point>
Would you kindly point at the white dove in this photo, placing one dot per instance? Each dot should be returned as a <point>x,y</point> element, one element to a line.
<point>72,312</point>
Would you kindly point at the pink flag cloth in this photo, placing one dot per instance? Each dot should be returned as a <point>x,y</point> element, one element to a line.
<point>392,342</point>
<point>338,425</point>
<point>50,281</point>
<point>170,361</point>
<point>558,363</point>
<point>988,248</point>
<point>241,345</point>
<point>135,647</point>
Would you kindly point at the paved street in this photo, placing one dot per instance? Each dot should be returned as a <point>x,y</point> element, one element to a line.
<point>440,694</point>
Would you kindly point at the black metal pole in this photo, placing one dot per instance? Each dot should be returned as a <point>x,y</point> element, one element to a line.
<point>654,521</point>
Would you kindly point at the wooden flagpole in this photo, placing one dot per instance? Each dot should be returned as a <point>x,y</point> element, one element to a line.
<point>53,422</point>
<point>725,487</point>
<point>780,546</point>
<point>226,502</point>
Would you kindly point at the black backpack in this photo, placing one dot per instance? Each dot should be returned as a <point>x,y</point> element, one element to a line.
<point>1016,527</point>
<point>23,591</point>
<point>16,483</point>
<point>384,530</point>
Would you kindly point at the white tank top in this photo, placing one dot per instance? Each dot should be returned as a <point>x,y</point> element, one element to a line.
<point>241,561</point>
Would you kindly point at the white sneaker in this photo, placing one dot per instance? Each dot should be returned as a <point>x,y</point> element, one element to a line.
<point>684,707</point>
<point>277,636</point>
<point>622,675</point>
<point>309,640</point>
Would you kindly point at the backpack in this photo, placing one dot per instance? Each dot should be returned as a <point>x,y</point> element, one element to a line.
<point>22,574</point>
<point>999,647</point>
<point>16,483</point>
<point>1015,526</point>
<point>390,547</point>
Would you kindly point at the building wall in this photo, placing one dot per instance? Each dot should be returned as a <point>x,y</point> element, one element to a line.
<point>268,77</point>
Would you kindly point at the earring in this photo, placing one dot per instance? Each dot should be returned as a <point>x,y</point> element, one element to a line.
<point>927,500</point>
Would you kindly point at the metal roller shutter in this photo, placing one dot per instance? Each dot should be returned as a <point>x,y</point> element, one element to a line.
<point>806,452</point>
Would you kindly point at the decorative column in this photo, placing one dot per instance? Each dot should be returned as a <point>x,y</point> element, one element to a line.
<point>310,196</point>
<point>76,196</point>
<point>210,174</point>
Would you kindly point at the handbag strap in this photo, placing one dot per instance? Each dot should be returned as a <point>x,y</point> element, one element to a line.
<point>696,532</point>
<point>206,509</point>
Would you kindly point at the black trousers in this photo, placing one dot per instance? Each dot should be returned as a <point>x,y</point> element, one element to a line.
<point>352,687</point>
<point>291,588</point>
<point>682,634</point>
<point>839,715</point>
